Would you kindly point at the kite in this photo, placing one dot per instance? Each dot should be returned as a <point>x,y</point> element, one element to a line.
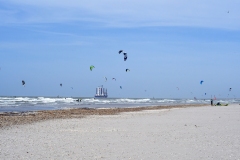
<point>91,67</point>
<point>230,89</point>
<point>23,82</point>
<point>61,84</point>
<point>127,70</point>
<point>177,88</point>
<point>121,87</point>
<point>114,79</point>
<point>105,79</point>
<point>125,54</point>
<point>120,51</point>
<point>201,81</point>
<point>205,93</point>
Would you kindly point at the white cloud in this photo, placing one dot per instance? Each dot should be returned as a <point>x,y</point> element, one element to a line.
<point>125,13</point>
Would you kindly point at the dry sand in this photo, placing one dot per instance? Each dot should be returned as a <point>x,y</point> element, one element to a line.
<point>207,132</point>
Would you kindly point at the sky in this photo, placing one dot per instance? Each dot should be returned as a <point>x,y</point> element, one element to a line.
<point>171,46</point>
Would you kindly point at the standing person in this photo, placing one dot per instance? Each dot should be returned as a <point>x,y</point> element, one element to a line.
<point>211,102</point>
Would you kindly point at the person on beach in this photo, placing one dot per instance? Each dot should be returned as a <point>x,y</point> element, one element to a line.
<point>211,102</point>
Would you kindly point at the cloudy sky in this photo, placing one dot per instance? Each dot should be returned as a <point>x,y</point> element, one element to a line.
<point>171,45</point>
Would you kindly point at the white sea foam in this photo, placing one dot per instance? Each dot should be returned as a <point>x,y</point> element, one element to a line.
<point>40,103</point>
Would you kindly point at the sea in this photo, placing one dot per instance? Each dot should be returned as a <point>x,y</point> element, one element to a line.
<point>28,104</point>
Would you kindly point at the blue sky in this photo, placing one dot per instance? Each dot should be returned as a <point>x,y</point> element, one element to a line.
<point>170,44</point>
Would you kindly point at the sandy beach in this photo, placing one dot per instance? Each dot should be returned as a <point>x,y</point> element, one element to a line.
<point>205,132</point>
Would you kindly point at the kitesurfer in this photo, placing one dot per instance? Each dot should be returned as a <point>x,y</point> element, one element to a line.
<point>79,100</point>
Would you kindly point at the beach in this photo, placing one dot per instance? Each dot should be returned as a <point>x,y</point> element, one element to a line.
<point>176,132</point>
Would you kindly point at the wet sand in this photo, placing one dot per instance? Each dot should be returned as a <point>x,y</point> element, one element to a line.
<point>206,132</point>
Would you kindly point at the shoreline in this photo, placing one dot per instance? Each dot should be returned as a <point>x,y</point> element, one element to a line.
<point>8,119</point>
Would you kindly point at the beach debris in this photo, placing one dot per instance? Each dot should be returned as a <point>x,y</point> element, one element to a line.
<point>124,53</point>
<point>91,67</point>
<point>61,84</point>
<point>23,83</point>
<point>201,82</point>
<point>127,70</point>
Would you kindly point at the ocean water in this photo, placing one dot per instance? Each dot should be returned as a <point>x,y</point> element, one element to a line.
<point>25,104</point>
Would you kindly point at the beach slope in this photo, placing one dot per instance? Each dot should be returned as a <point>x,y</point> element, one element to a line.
<point>207,132</point>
